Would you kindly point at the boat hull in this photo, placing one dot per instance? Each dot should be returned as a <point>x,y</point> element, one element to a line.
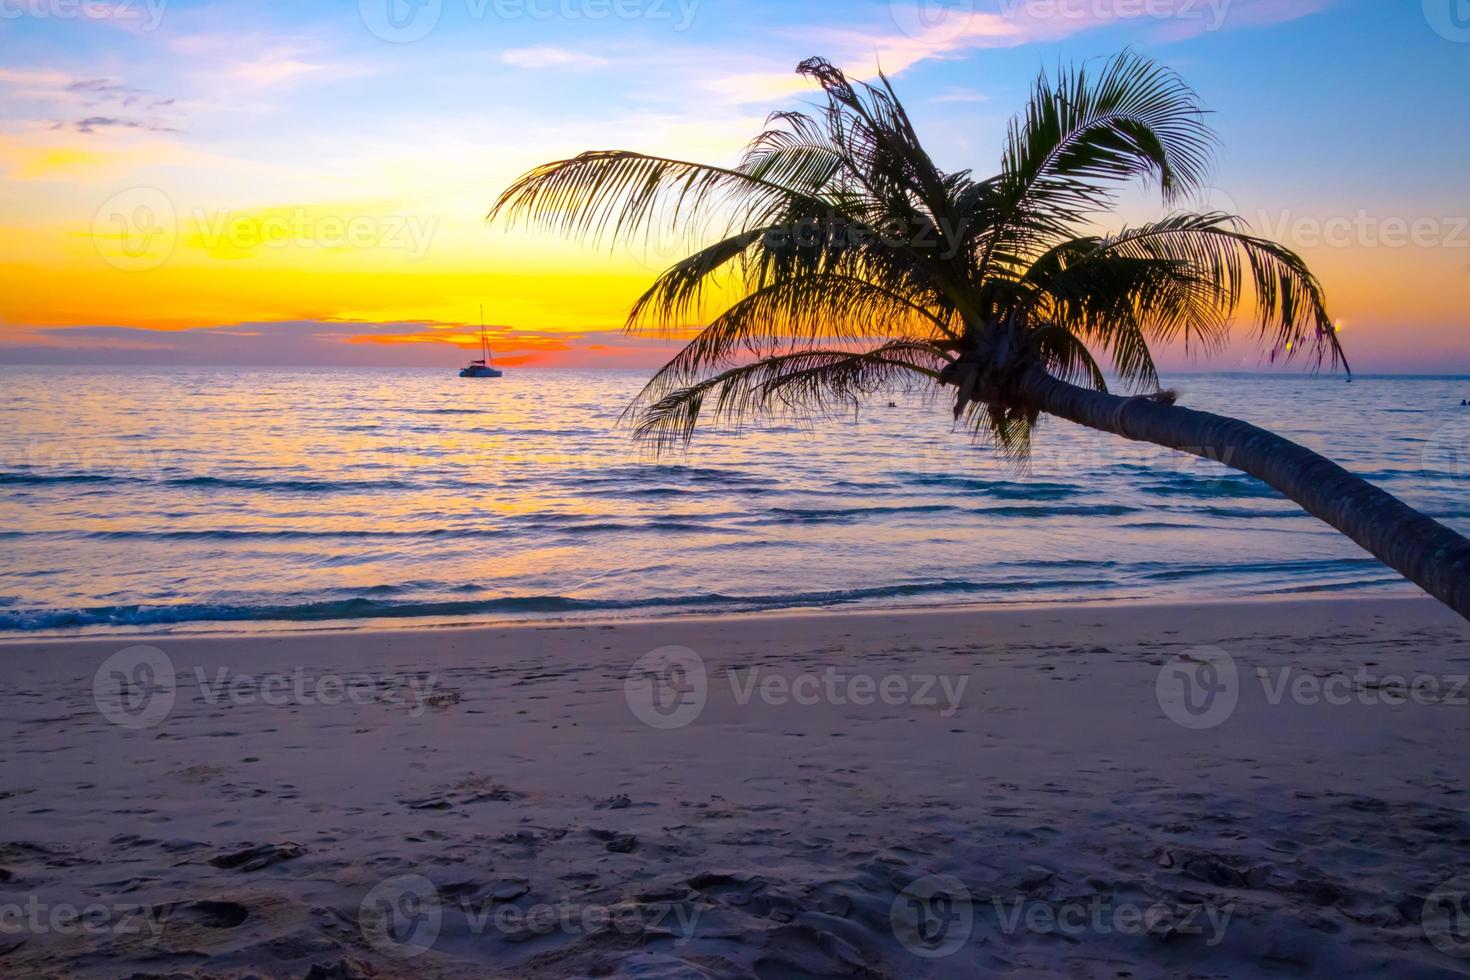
<point>479,372</point>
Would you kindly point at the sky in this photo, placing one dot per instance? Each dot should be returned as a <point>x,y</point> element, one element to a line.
<point>292,183</point>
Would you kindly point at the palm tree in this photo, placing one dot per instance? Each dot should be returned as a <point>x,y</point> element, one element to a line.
<point>845,262</point>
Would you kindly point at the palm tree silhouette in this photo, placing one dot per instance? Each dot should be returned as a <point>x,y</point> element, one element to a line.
<point>857,264</point>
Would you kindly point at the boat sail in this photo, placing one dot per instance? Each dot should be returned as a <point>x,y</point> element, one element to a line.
<point>483,368</point>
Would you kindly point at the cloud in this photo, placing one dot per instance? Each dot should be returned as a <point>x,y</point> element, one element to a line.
<point>545,56</point>
<point>102,87</point>
<point>930,30</point>
<point>92,123</point>
<point>220,64</point>
<point>104,102</point>
<point>272,68</point>
<point>50,85</point>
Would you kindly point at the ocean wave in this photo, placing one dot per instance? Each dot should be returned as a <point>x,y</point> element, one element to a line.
<point>1245,512</point>
<point>286,486</point>
<point>1303,567</point>
<point>1211,487</point>
<point>643,473</point>
<point>515,433</point>
<point>359,607</point>
<point>1003,489</point>
<point>1414,473</point>
<point>648,492</point>
<point>43,479</point>
<point>685,527</point>
<point>1058,510</point>
<point>1058,563</point>
<point>806,514</point>
<point>1383,582</point>
<point>205,482</point>
<point>233,534</point>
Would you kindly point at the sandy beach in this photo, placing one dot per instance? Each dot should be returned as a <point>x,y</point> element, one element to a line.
<point>1263,789</point>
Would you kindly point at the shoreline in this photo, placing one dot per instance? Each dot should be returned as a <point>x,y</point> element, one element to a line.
<point>396,625</point>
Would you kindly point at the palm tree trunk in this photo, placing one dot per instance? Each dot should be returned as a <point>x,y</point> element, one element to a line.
<point>1426,552</point>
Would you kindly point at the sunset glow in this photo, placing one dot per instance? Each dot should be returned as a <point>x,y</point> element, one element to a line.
<point>327,184</point>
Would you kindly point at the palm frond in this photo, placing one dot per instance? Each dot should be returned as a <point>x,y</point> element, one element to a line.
<point>1133,120</point>
<point>1219,266</point>
<point>872,130</point>
<point>795,152</point>
<point>1067,357</point>
<point>678,292</point>
<point>802,314</point>
<point>802,385</point>
<point>617,193</point>
<point>822,250</point>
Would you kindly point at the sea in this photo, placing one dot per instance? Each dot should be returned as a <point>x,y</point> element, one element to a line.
<point>190,499</point>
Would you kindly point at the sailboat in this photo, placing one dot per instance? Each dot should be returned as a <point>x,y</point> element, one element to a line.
<point>481,368</point>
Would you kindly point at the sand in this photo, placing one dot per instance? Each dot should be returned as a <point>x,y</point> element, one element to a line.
<point>1218,790</point>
